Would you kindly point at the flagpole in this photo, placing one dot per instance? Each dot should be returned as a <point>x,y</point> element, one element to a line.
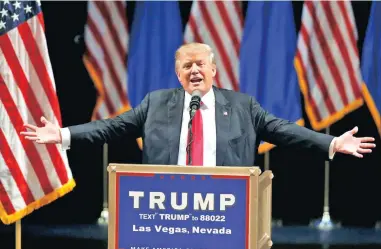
<point>103,219</point>
<point>18,234</point>
<point>325,223</point>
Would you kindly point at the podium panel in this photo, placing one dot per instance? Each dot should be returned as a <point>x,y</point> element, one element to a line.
<point>182,207</point>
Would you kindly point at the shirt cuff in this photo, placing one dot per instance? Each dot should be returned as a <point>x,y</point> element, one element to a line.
<point>65,135</point>
<point>331,146</point>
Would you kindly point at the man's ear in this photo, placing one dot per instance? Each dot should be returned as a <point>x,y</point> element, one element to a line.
<point>178,75</point>
<point>214,70</point>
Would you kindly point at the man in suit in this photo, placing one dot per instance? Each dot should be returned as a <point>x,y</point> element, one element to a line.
<point>226,130</point>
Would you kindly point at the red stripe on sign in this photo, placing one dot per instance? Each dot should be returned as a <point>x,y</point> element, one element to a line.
<point>16,119</point>
<point>229,177</point>
<point>15,170</point>
<point>6,201</point>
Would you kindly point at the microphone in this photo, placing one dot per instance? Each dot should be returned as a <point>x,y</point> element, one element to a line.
<point>194,105</point>
<point>195,102</point>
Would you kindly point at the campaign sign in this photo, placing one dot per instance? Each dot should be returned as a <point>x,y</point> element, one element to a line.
<point>181,211</point>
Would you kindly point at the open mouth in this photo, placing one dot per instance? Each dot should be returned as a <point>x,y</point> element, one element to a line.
<point>196,80</point>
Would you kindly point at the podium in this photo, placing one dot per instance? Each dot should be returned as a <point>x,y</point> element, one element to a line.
<point>189,207</point>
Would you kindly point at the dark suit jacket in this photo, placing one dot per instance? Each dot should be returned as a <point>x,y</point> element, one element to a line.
<point>158,121</point>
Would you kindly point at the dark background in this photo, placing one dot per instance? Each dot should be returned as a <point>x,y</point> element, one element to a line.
<point>299,177</point>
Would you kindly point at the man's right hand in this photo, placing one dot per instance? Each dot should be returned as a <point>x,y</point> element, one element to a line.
<point>48,134</point>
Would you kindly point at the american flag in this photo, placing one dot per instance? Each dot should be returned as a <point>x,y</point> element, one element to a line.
<point>106,40</point>
<point>219,24</point>
<point>31,175</point>
<point>327,61</point>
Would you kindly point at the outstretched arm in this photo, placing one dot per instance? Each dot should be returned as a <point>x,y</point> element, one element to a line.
<point>96,132</point>
<point>283,132</point>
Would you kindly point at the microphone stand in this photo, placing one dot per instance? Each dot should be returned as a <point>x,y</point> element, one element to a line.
<point>192,112</point>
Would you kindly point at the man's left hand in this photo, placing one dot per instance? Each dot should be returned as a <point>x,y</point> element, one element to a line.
<point>356,146</point>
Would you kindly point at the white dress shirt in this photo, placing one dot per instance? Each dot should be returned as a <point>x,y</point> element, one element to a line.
<point>209,128</point>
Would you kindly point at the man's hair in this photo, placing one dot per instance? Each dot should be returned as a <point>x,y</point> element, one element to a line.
<point>194,47</point>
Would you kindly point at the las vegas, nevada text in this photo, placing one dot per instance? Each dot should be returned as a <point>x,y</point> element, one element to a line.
<point>207,203</point>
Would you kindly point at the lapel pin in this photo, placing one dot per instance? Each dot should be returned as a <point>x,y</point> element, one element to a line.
<point>225,113</point>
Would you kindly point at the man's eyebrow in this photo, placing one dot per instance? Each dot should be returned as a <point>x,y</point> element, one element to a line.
<point>197,61</point>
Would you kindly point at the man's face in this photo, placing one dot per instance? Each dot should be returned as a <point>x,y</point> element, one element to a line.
<point>195,71</point>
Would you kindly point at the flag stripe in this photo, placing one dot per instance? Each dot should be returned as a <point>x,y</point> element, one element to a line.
<point>35,108</point>
<point>103,34</point>
<point>238,10</point>
<point>117,11</point>
<point>41,20</point>
<point>38,35</point>
<point>121,8</point>
<point>327,55</point>
<point>6,202</point>
<point>116,82</point>
<point>105,13</point>
<point>193,25</point>
<point>32,175</point>
<point>329,61</point>
<point>308,91</point>
<point>39,66</point>
<point>17,122</point>
<point>227,45</point>
<point>106,41</point>
<point>352,48</point>
<point>317,76</point>
<point>333,33</point>
<point>25,112</point>
<point>340,39</point>
<point>109,47</point>
<point>101,77</point>
<point>218,24</point>
<point>229,26</point>
<point>316,92</point>
<point>14,169</point>
<point>218,43</point>
<point>12,136</point>
<point>100,87</point>
<point>347,13</point>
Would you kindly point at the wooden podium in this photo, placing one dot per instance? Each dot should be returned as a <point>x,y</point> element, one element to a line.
<point>157,206</point>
